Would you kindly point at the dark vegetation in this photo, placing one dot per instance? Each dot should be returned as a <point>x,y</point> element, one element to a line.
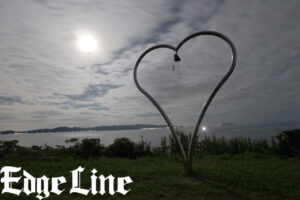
<point>286,143</point>
<point>289,143</point>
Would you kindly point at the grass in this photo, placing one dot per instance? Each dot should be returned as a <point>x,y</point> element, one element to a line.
<point>244,176</point>
<point>235,145</point>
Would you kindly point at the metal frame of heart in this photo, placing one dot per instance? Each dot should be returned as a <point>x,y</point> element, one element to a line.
<point>188,157</point>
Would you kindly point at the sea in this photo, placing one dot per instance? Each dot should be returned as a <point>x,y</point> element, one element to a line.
<point>151,135</point>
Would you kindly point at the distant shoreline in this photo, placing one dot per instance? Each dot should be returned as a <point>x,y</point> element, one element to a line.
<point>96,128</point>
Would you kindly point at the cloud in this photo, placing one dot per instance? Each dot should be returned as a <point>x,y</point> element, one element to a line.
<point>6,100</point>
<point>42,71</point>
<point>45,114</point>
<point>91,91</point>
<point>149,115</point>
<point>93,106</point>
<point>6,116</point>
<point>99,70</point>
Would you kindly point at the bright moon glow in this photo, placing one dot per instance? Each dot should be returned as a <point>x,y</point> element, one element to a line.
<point>87,43</point>
<point>203,128</point>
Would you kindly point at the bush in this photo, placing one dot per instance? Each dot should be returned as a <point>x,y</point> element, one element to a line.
<point>233,146</point>
<point>164,148</point>
<point>23,151</point>
<point>122,147</point>
<point>71,140</point>
<point>36,148</point>
<point>183,137</point>
<point>89,147</point>
<point>289,142</point>
<point>143,149</point>
<point>9,146</point>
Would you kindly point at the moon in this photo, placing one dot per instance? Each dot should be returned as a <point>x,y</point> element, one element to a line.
<point>87,43</point>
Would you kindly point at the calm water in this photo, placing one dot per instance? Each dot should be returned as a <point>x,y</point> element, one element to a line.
<point>152,135</point>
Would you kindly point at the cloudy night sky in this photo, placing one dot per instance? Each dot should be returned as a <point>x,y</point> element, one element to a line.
<point>70,62</point>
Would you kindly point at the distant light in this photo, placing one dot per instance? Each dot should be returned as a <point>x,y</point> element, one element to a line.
<point>203,128</point>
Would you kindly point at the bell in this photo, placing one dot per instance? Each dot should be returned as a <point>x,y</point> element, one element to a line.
<point>176,58</point>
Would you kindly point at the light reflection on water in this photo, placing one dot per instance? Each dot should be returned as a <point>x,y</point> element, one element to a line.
<point>151,135</point>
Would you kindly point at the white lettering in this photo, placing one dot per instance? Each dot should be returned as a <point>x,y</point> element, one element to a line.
<point>122,182</point>
<point>32,180</point>
<point>40,186</point>
<point>76,182</point>
<point>111,184</point>
<point>8,180</point>
<point>55,183</point>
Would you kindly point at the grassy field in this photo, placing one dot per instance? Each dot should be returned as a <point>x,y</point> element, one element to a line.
<point>245,176</point>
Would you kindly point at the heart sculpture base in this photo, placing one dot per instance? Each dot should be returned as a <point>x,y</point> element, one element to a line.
<point>187,156</point>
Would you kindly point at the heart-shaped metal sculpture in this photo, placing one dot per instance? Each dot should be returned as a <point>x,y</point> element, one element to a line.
<point>187,157</point>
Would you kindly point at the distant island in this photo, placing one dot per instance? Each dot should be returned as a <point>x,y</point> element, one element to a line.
<point>96,128</point>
